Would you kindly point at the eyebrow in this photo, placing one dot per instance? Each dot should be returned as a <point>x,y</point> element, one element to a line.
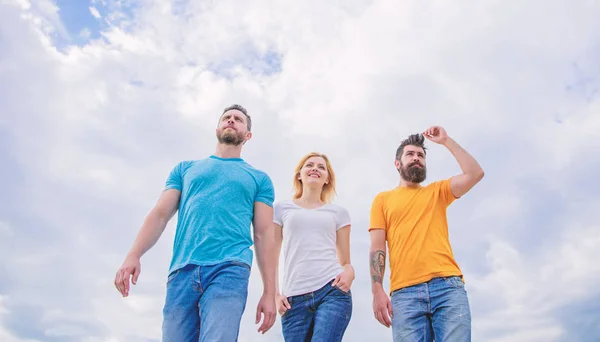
<point>238,116</point>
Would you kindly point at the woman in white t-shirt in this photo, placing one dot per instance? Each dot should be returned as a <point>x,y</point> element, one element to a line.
<point>315,302</point>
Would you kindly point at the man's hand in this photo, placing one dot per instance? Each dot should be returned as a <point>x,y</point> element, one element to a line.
<point>344,279</point>
<point>382,308</point>
<point>266,309</point>
<point>282,304</point>
<point>437,134</point>
<point>131,268</point>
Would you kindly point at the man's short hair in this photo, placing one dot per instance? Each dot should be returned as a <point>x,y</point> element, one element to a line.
<point>241,109</point>
<point>417,140</point>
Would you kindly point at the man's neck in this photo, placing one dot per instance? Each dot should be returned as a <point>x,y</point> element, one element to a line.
<point>407,184</point>
<point>228,151</point>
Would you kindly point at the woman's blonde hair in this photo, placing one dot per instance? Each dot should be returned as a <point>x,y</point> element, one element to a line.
<point>328,191</point>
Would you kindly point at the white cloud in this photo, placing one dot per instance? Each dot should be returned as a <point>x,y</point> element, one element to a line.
<point>94,12</point>
<point>94,131</point>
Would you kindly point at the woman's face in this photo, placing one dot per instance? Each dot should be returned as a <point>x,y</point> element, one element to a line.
<point>314,172</point>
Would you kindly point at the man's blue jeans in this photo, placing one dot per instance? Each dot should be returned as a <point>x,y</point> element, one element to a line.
<point>322,315</point>
<point>205,303</point>
<point>436,310</point>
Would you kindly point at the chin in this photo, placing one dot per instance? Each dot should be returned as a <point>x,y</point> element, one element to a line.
<point>313,181</point>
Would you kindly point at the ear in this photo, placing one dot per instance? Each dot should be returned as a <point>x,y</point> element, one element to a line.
<point>248,136</point>
<point>397,164</point>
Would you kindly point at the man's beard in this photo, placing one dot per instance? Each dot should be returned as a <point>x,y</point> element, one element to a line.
<point>228,138</point>
<point>412,173</point>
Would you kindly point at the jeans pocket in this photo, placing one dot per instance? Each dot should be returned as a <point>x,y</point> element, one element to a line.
<point>455,282</point>
<point>289,300</point>
<point>285,313</point>
<point>349,293</point>
<point>239,263</point>
<point>172,276</point>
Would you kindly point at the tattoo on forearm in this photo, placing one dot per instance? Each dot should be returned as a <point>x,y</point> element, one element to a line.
<point>377,266</point>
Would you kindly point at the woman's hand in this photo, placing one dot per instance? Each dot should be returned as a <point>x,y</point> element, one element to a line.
<point>344,279</point>
<point>282,304</point>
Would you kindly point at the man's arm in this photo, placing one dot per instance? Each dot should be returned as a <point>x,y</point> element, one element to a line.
<point>472,172</point>
<point>265,247</point>
<point>264,242</point>
<point>382,307</point>
<point>377,259</point>
<point>278,243</point>
<point>152,228</point>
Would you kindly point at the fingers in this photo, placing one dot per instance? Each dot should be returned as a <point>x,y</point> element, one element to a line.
<point>389,308</point>
<point>267,322</point>
<point>125,282</point>
<point>118,281</point>
<point>136,274</point>
<point>378,317</point>
<point>283,306</point>
<point>122,282</point>
<point>336,280</point>
<point>382,318</point>
<point>258,313</point>
<point>385,319</point>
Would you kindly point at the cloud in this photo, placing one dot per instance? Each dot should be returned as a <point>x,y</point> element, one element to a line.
<point>95,12</point>
<point>90,132</point>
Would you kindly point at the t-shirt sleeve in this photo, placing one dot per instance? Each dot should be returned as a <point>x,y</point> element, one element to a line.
<point>342,218</point>
<point>175,179</point>
<point>278,213</point>
<point>377,219</point>
<point>445,192</point>
<point>266,192</point>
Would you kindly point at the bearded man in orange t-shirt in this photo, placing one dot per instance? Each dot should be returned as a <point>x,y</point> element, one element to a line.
<point>428,300</point>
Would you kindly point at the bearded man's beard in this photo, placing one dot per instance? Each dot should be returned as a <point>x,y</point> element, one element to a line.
<point>413,173</point>
<point>232,138</point>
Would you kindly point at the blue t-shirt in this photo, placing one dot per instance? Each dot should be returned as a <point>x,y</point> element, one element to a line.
<point>216,209</point>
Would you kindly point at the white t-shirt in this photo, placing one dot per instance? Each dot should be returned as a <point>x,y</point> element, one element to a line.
<point>309,245</point>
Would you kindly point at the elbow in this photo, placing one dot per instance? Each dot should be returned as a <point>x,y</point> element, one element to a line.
<point>479,175</point>
<point>261,234</point>
<point>158,216</point>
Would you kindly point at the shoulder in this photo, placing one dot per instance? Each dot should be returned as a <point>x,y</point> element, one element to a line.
<point>283,204</point>
<point>192,162</point>
<point>437,185</point>
<point>337,208</point>
<point>342,213</point>
<point>258,173</point>
<point>384,195</point>
<point>185,164</point>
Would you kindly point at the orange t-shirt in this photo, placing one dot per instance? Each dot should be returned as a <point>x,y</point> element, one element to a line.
<point>416,232</point>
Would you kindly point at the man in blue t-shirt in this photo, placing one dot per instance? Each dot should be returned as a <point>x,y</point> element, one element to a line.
<point>218,198</point>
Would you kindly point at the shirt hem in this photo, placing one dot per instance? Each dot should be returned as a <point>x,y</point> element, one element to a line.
<point>309,289</point>
<point>426,279</point>
<point>207,263</point>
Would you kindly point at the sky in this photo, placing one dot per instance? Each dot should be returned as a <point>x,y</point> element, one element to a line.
<point>100,99</point>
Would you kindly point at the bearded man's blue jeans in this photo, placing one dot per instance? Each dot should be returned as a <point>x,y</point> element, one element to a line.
<point>436,310</point>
